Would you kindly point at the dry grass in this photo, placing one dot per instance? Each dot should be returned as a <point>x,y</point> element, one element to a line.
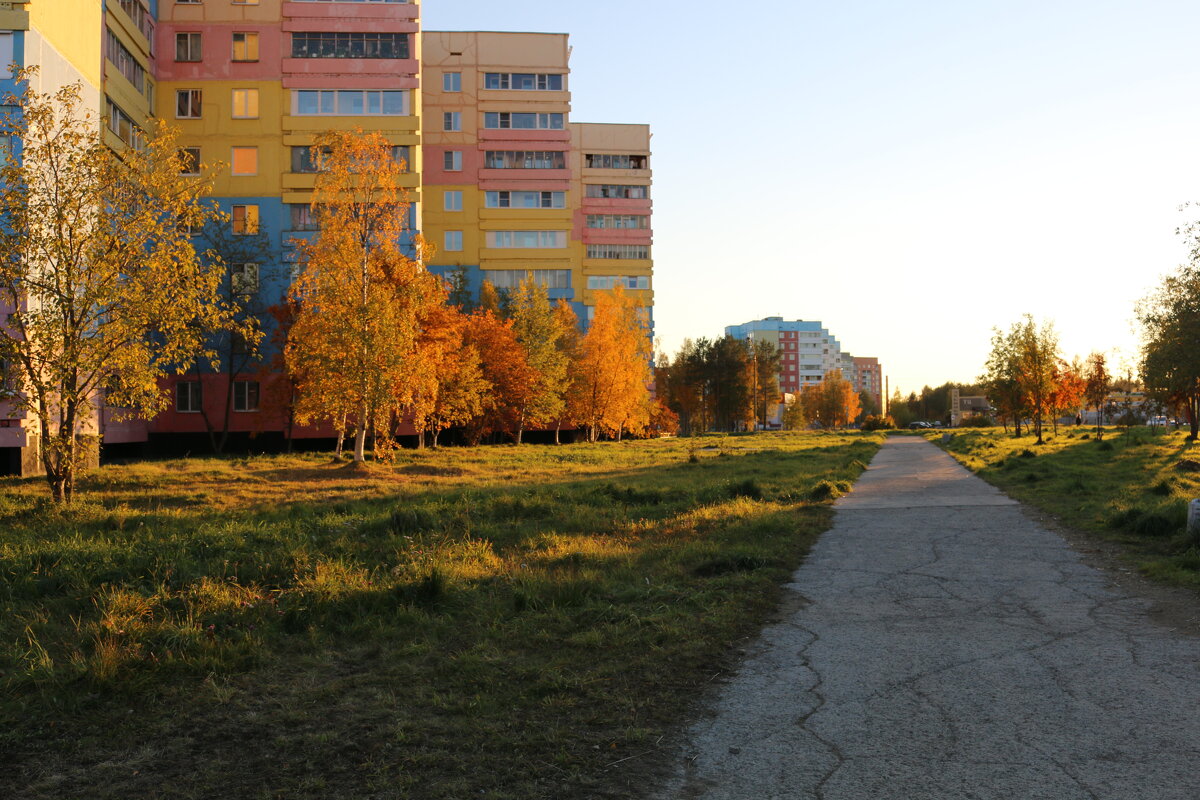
<point>501,622</point>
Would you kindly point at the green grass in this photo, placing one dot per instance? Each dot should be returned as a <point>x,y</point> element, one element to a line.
<point>1126,488</point>
<point>493,622</point>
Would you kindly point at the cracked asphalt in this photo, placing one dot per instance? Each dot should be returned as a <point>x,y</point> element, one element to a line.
<point>939,643</point>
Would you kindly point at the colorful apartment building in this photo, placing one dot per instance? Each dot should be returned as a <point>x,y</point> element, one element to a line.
<point>807,351</point>
<point>502,183</point>
<point>513,187</point>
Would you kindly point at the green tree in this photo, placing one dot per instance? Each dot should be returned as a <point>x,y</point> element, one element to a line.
<point>106,291</point>
<point>1097,385</point>
<point>1170,357</point>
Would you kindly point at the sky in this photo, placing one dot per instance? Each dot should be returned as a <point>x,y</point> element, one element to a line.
<point>912,174</point>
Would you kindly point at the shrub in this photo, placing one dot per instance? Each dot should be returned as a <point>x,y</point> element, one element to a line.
<point>878,423</point>
<point>829,490</point>
<point>1027,453</point>
<point>977,421</point>
<point>747,488</point>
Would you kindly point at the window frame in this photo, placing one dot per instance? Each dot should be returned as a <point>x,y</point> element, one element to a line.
<point>191,36</point>
<point>198,95</point>
<point>446,241</point>
<point>250,221</point>
<point>233,159</point>
<point>233,103</point>
<point>249,390</point>
<point>194,400</point>
<point>250,42</point>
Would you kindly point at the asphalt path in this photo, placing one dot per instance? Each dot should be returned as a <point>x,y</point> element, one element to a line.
<point>939,643</point>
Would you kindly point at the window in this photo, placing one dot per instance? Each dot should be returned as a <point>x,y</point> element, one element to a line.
<point>353,1</point>
<point>245,46</point>
<point>244,2</point>
<point>610,161</point>
<point>451,81</point>
<point>189,161</point>
<point>245,103</point>
<point>188,396</point>
<point>621,192</point>
<point>522,121</point>
<point>243,279</point>
<point>322,44</point>
<point>626,281</point>
<point>245,395</point>
<point>349,102</point>
<point>303,218</point>
<point>187,104</point>
<point>539,239</point>
<point>453,241</point>
<point>140,15</point>
<point>618,221</point>
<point>452,201</point>
<point>525,199</point>
<point>452,161</point>
<point>622,251</point>
<point>510,278</point>
<point>245,220</point>
<point>304,159</point>
<point>452,120</point>
<point>187,47</point>
<point>122,124</point>
<point>524,81</point>
<point>244,160</point>
<point>525,159</point>
<point>124,61</point>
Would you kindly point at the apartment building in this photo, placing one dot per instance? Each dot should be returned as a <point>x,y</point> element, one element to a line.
<point>501,181</point>
<point>513,187</point>
<point>807,350</point>
<point>105,48</point>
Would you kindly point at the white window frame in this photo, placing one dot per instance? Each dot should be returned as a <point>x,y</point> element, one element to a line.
<point>194,401</point>
<point>453,241</point>
<point>233,158</point>
<point>452,161</point>
<point>243,388</point>
<point>451,81</point>
<point>195,103</point>
<point>452,121</point>
<point>452,200</point>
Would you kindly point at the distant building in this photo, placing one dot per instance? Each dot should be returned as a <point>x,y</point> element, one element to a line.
<point>807,350</point>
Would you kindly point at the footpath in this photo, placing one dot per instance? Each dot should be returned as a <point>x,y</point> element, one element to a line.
<point>939,643</point>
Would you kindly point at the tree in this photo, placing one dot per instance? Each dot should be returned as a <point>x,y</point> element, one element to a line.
<point>568,344</point>
<point>611,375</point>
<point>1170,320</point>
<point>106,291</point>
<point>505,369</point>
<point>538,332</point>
<point>453,387</point>
<point>353,347</point>
<point>1068,387</point>
<point>1037,357</point>
<point>1097,385</point>
<point>1001,380</point>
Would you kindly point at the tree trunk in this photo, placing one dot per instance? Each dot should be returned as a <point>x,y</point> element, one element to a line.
<point>557,426</point>
<point>360,444</point>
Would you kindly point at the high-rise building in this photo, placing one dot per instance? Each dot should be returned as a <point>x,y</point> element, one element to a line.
<point>807,350</point>
<point>502,183</point>
<point>513,187</point>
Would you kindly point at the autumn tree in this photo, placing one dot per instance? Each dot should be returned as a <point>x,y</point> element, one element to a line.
<point>451,388</point>
<point>611,374</point>
<point>360,297</point>
<point>105,291</point>
<point>1067,389</point>
<point>506,370</point>
<point>568,343</point>
<point>1097,385</point>
<point>1170,322</point>
<point>1037,354</point>
<point>538,331</point>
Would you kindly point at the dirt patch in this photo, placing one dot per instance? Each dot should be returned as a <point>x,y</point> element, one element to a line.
<point>1188,465</point>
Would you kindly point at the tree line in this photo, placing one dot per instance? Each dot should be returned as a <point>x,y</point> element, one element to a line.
<point>110,290</point>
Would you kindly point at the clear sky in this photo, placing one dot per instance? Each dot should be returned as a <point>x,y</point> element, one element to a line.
<point>910,173</point>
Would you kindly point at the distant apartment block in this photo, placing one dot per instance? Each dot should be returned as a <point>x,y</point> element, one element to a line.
<point>807,351</point>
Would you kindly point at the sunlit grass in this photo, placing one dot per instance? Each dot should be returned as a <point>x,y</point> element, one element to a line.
<point>497,620</point>
<point>1129,487</point>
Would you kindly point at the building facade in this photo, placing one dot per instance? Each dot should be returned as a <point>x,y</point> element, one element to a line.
<point>807,351</point>
<point>501,182</point>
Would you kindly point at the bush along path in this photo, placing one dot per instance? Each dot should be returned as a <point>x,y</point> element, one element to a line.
<point>500,622</point>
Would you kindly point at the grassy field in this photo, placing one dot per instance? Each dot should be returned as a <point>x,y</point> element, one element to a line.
<point>1131,487</point>
<point>493,622</point>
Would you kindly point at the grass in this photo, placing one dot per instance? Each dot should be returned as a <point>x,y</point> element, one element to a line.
<point>493,622</point>
<point>1127,488</point>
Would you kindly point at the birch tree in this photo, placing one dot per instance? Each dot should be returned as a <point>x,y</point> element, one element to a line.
<point>105,293</point>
